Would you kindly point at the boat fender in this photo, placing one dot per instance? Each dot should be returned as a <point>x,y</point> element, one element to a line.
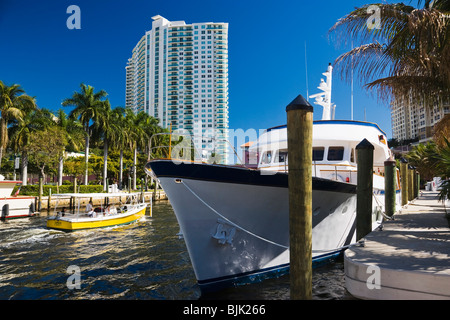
<point>32,209</point>
<point>5,211</point>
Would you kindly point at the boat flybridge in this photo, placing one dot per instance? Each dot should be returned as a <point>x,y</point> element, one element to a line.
<point>235,219</point>
<point>334,155</point>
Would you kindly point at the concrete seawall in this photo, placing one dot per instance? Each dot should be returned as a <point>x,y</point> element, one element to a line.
<point>408,259</point>
<point>65,202</point>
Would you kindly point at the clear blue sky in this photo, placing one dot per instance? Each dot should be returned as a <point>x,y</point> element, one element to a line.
<point>266,52</point>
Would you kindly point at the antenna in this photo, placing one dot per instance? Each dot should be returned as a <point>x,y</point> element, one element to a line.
<point>351,102</point>
<point>324,98</point>
<point>306,68</point>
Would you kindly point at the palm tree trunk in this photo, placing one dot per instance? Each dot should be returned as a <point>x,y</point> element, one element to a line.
<point>121,169</point>
<point>24,168</point>
<point>4,138</point>
<point>60,169</point>
<point>134,168</point>
<point>105,164</point>
<point>86,157</point>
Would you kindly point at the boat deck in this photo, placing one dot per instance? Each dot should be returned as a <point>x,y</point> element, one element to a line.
<point>412,253</point>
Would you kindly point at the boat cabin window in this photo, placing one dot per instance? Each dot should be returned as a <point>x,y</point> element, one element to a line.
<point>282,156</point>
<point>267,157</point>
<point>335,153</point>
<point>318,153</point>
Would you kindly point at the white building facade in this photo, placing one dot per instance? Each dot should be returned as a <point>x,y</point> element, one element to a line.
<point>178,73</point>
<point>411,120</point>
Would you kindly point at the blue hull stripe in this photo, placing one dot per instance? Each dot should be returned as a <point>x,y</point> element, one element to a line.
<point>260,275</point>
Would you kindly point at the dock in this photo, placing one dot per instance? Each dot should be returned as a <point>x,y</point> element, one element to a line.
<point>408,259</point>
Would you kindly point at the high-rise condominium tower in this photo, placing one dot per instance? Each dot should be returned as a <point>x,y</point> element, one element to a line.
<point>178,73</point>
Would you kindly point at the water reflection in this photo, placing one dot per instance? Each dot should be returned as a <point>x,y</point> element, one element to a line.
<point>144,260</point>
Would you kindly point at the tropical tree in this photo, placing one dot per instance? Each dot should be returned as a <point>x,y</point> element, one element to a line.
<point>120,137</point>
<point>442,131</point>
<point>88,107</point>
<point>444,168</point>
<point>45,147</point>
<point>105,129</point>
<point>403,51</point>
<point>433,160</point>
<point>137,126</point>
<point>22,130</point>
<point>425,158</point>
<point>14,105</point>
<point>73,136</point>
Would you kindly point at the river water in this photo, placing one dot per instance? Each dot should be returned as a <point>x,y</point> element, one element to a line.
<point>145,260</point>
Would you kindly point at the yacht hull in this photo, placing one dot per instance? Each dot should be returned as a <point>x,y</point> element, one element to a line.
<point>235,221</point>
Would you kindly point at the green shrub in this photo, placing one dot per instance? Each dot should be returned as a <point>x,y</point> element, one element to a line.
<point>33,190</point>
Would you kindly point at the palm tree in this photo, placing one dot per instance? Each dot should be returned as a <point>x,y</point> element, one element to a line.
<point>135,125</point>
<point>74,132</point>
<point>119,137</point>
<point>406,56</point>
<point>88,107</point>
<point>14,104</point>
<point>22,130</point>
<point>444,169</point>
<point>105,129</point>
<point>425,158</point>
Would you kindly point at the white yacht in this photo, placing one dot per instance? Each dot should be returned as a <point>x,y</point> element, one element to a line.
<point>235,220</point>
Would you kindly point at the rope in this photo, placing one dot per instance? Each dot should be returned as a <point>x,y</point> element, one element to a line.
<point>255,235</point>
<point>232,223</point>
<point>338,249</point>
<point>380,205</point>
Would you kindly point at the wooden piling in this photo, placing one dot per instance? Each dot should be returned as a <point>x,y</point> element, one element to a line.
<point>410,183</point>
<point>75,185</point>
<point>299,132</point>
<point>418,184</point>
<point>416,194</point>
<point>40,193</point>
<point>364,189</point>
<point>404,180</point>
<point>389,187</point>
<point>49,200</point>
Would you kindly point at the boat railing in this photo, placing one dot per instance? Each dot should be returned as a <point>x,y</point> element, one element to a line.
<point>78,204</point>
<point>337,172</point>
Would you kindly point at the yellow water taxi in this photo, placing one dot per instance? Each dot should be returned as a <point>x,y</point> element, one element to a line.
<point>83,215</point>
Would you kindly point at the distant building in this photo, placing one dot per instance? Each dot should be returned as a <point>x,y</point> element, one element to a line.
<point>411,120</point>
<point>178,73</point>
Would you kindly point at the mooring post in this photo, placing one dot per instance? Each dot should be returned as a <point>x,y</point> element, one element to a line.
<point>364,189</point>
<point>49,200</point>
<point>404,180</point>
<point>389,187</point>
<point>299,132</point>
<point>410,183</point>
<point>75,185</point>
<point>40,192</point>
<point>418,184</point>
<point>414,173</point>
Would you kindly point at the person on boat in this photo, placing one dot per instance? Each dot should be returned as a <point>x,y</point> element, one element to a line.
<point>90,209</point>
<point>113,210</point>
<point>107,211</point>
<point>61,213</point>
